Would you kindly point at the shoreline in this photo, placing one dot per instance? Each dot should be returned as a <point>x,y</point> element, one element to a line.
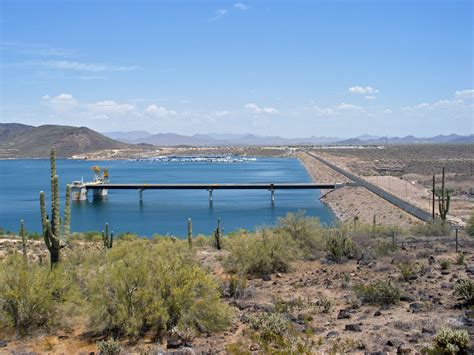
<point>354,202</point>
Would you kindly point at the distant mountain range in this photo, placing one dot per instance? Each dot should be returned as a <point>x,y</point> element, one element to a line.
<point>218,139</point>
<point>24,141</point>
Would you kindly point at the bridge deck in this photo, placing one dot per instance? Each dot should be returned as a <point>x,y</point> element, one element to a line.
<point>247,186</point>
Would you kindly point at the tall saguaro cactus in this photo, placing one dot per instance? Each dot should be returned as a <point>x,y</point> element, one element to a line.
<point>190,233</point>
<point>444,197</point>
<point>107,238</point>
<point>55,232</point>
<point>218,235</point>
<point>23,241</point>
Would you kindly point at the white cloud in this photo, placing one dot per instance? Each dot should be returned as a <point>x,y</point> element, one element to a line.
<point>220,13</point>
<point>388,111</point>
<point>111,107</point>
<point>160,111</point>
<point>335,110</point>
<point>370,97</point>
<point>453,105</point>
<point>349,107</point>
<point>34,49</point>
<point>241,6</point>
<point>90,67</point>
<point>322,111</point>
<point>221,113</point>
<point>61,103</point>
<point>258,110</point>
<point>363,90</point>
<point>464,94</point>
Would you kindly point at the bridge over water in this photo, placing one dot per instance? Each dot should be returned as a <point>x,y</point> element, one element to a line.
<point>100,189</point>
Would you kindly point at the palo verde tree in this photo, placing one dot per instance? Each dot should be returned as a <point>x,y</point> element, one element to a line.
<point>444,197</point>
<point>55,232</point>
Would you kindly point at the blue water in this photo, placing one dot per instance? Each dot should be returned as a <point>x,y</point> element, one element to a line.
<point>163,212</point>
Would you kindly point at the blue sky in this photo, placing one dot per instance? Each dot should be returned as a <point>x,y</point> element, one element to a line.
<point>289,68</point>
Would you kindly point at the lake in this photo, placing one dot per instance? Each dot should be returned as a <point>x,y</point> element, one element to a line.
<point>163,212</point>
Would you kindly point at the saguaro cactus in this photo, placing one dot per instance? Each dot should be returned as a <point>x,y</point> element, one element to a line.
<point>190,233</point>
<point>55,232</point>
<point>444,197</point>
<point>218,235</point>
<point>107,238</point>
<point>23,241</point>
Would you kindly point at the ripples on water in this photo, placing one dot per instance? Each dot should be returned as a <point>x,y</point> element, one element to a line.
<point>163,212</point>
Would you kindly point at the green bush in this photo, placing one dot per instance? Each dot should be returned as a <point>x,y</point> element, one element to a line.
<point>470,225</point>
<point>444,263</point>
<point>449,341</point>
<point>153,286</point>
<point>465,289</point>
<point>305,231</point>
<point>338,244</point>
<point>436,229</point>
<point>460,259</point>
<point>323,303</point>
<point>271,326</point>
<point>109,347</point>
<point>237,285</point>
<point>33,296</point>
<point>381,292</point>
<point>260,253</point>
<point>408,270</point>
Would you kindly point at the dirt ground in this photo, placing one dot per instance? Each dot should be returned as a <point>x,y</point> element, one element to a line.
<point>427,303</point>
<point>406,171</point>
<point>349,202</point>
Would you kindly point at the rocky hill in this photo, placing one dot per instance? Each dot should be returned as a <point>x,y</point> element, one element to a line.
<point>23,141</point>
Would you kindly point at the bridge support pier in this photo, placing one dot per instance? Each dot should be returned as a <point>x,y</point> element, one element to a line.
<point>210,196</point>
<point>272,191</point>
<point>140,193</point>
<point>81,195</point>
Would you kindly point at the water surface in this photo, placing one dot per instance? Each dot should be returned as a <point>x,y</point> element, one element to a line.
<point>163,212</point>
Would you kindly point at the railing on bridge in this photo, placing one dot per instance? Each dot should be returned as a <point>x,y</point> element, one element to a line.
<point>103,188</point>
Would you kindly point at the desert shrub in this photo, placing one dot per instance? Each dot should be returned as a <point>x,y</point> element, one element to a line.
<point>237,285</point>
<point>460,259</point>
<point>465,289</point>
<point>128,236</point>
<point>305,231</point>
<point>323,303</point>
<point>378,230</point>
<point>338,244</point>
<point>345,280</point>
<point>260,253</point>
<point>444,263</point>
<point>470,225</point>
<point>449,341</point>
<point>33,296</point>
<point>381,292</point>
<point>271,326</point>
<point>384,247</point>
<point>202,241</point>
<point>408,270</point>
<point>143,286</point>
<point>87,236</point>
<point>109,347</point>
<point>433,229</point>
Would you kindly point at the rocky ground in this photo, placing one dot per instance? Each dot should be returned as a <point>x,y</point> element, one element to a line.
<point>319,300</point>
<point>407,171</point>
<point>350,202</point>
